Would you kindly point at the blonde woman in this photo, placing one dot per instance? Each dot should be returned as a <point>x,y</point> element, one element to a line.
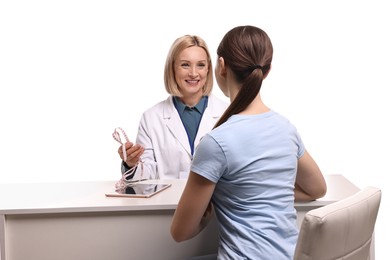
<point>170,130</point>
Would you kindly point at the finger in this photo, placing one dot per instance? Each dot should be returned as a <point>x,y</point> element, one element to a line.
<point>135,156</point>
<point>120,152</point>
<point>129,145</point>
<point>134,150</point>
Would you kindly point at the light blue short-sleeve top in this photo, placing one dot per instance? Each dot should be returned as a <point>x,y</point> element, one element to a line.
<point>253,161</point>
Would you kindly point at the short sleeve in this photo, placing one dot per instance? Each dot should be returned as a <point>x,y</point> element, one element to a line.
<point>209,159</point>
<point>301,146</point>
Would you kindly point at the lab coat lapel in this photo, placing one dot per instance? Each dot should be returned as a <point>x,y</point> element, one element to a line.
<point>209,119</point>
<point>205,125</point>
<point>174,124</point>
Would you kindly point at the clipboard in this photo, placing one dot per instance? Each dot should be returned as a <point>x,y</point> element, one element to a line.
<point>140,190</point>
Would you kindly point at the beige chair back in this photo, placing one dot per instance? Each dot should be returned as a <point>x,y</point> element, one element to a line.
<point>340,230</point>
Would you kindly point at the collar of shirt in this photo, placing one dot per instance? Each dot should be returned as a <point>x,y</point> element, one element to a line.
<point>180,106</point>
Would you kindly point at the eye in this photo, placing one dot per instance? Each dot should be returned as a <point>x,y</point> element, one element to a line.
<point>202,65</point>
<point>185,65</point>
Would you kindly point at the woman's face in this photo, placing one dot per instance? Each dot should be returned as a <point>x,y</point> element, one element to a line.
<point>191,68</point>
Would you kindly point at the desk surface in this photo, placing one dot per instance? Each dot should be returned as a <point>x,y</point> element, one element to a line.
<point>33,198</point>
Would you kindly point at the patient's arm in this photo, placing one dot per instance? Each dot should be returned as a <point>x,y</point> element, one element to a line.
<point>310,183</point>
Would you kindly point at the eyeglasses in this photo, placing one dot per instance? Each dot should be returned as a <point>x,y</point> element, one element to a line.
<point>121,185</point>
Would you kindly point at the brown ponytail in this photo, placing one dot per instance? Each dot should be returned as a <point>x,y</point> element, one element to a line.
<point>247,51</point>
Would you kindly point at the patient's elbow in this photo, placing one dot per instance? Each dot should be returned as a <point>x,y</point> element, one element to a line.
<point>320,191</point>
<point>177,238</point>
<point>311,194</point>
<point>178,235</point>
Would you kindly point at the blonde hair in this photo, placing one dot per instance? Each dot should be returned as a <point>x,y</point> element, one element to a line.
<point>177,47</point>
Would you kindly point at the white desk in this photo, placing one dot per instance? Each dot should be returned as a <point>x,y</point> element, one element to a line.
<point>62,221</point>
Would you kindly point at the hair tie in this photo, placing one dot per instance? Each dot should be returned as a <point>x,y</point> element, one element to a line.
<point>255,67</point>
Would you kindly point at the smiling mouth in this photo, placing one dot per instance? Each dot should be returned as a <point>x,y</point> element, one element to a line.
<point>192,82</point>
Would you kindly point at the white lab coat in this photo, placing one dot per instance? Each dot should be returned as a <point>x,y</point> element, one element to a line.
<point>167,150</point>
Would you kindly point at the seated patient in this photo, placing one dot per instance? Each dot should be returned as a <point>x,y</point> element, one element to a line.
<point>252,166</point>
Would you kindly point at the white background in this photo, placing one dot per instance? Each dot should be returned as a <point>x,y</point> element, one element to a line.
<point>71,71</point>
